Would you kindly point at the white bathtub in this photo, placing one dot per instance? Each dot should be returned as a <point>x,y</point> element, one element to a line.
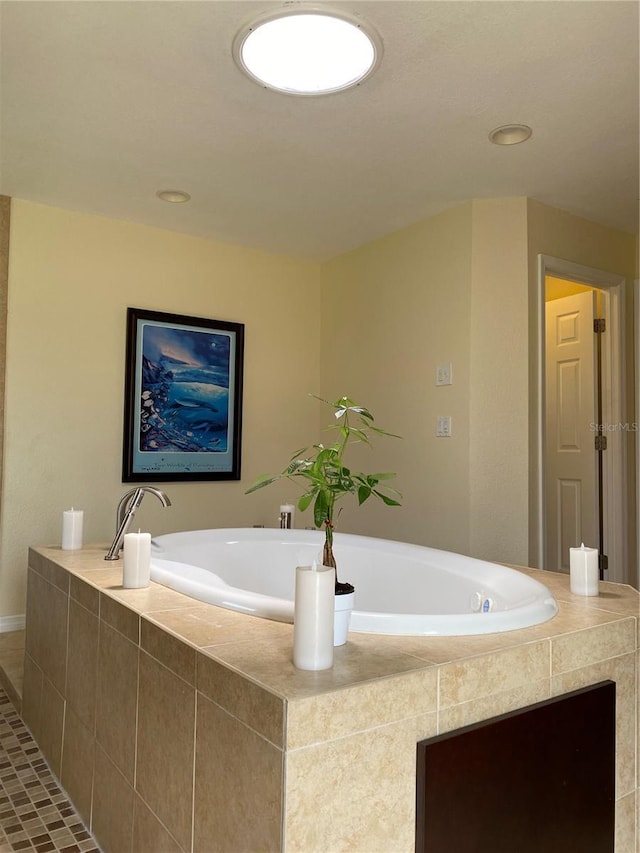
<point>400,588</point>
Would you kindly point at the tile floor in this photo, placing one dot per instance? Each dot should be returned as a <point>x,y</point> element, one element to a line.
<point>35,813</point>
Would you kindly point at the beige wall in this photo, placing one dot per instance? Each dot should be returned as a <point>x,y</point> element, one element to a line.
<point>5,227</point>
<point>72,277</point>
<point>392,311</point>
<point>499,357</point>
<point>450,289</point>
<point>561,235</point>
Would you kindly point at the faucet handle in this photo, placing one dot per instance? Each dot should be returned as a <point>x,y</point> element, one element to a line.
<point>162,496</point>
<point>127,507</point>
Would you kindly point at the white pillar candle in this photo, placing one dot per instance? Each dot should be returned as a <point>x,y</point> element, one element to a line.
<point>72,529</point>
<point>584,572</point>
<point>313,617</point>
<point>137,560</point>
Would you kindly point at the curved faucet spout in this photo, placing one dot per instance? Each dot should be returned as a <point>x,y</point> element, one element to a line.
<point>127,507</point>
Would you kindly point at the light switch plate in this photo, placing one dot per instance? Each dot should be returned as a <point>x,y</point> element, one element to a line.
<point>443,426</point>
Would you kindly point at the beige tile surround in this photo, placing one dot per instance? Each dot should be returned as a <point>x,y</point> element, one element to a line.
<point>178,726</point>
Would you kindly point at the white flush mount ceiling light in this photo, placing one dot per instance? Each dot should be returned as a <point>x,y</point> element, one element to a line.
<point>510,134</point>
<point>173,196</point>
<point>310,51</point>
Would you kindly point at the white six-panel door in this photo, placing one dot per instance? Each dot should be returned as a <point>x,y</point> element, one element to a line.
<point>571,467</point>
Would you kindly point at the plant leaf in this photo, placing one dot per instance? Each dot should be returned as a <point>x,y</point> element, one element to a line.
<point>360,435</point>
<point>386,499</point>
<point>262,481</point>
<point>305,500</point>
<point>379,431</point>
<point>298,453</point>
<point>320,509</point>
<point>364,413</point>
<point>364,492</point>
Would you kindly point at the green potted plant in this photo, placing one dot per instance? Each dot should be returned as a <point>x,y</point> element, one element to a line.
<point>326,479</point>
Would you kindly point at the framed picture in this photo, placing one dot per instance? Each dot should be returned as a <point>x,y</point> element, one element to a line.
<point>183,398</point>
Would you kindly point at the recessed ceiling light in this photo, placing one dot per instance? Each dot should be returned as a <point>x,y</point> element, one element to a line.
<point>307,51</point>
<point>510,134</point>
<point>173,196</point>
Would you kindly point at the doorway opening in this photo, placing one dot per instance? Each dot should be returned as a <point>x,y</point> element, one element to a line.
<point>582,476</point>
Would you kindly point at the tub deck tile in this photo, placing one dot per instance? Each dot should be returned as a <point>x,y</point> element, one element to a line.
<point>205,625</point>
<point>354,663</point>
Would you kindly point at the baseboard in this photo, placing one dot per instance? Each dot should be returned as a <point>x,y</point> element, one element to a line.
<point>12,623</point>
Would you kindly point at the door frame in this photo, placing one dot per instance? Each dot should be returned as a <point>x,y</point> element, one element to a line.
<point>613,375</point>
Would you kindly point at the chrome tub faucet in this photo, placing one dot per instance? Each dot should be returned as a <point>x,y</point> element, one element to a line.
<point>127,507</point>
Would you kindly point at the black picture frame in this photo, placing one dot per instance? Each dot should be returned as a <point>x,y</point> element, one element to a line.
<point>183,398</point>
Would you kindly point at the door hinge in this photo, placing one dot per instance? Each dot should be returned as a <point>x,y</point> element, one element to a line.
<point>601,442</point>
<point>599,325</point>
<point>603,562</point>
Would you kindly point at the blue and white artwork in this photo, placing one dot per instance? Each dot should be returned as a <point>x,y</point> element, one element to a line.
<point>184,390</point>
<point>183,398</point>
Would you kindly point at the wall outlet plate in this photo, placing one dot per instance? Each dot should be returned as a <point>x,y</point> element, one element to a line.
<point>444,374</point>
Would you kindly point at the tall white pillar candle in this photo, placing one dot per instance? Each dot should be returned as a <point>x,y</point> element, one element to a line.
<point>313,617</point>
<point>584,573</point>
<point>137,560</point>
<point>72,529</point>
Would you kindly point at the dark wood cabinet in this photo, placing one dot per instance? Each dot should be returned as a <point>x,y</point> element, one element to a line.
<point>537,780</point>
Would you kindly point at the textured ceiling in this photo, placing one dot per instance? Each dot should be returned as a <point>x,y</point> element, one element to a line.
<point>103,103</point>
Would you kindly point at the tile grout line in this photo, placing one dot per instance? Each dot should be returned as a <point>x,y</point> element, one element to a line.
<point>193,768</point>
